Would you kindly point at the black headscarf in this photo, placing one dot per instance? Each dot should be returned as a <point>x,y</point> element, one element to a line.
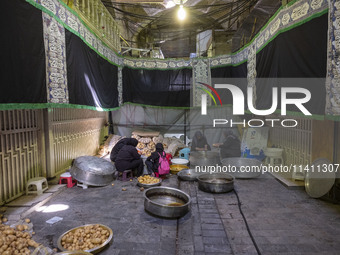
<point>120,145</point>
<point>159,147</point>
<point>133,142</point>
<point>199,141</point>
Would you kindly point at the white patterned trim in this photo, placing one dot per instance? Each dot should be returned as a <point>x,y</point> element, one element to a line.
<point>120,86</point>
<point>287,17</point>
<point>333,63</point>
<point>200,73</point>
<point>55,52</point>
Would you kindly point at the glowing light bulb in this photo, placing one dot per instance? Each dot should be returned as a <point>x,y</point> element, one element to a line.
<point>181,13</point>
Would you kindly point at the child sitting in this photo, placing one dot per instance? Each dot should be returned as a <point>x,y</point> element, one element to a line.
<point>152,162</point>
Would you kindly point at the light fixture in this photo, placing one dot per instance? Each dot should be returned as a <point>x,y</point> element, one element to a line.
<point>181,14</point>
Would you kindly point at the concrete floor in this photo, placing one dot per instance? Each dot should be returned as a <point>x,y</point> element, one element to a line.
<point>282,221</point>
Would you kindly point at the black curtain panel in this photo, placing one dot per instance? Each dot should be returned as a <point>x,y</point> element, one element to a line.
<point>234,75</point>
<point>157,87</point>
<point>92,80</point>
<point>22,53</point>
<point>239,71</point>
<point>298,53</point>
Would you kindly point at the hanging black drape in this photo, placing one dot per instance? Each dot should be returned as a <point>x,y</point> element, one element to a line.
<point>22,54</point>
<point>298,53</point>
<point>239,71</point>
<point>92,80</point>
<point>157,87</point>
<point>234,75</point>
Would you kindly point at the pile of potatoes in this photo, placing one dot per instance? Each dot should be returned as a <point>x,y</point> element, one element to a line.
<point>147,179</point>
<point>85,238</point>
<point>15,240</point>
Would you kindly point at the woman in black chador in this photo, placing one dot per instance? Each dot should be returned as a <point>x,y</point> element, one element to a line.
<point>128,158</point>
<point>199,142</point>
<point>120,145</point>
<point>152,162</point>
<point>231,146</point>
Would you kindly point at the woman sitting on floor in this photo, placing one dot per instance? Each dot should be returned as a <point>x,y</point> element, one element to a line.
<point>128,158</point>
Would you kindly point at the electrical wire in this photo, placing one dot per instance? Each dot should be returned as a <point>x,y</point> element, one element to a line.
<point>245,221</point>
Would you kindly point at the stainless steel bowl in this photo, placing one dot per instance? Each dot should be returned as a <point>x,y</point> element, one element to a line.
<point>166,202</point>
<point>188,175</point>
<point>235,164</point>
<point>204,158</point>
<point>146,186</point>
<point>93,171</point>
<point>94,250</point>
<point>216,183</point>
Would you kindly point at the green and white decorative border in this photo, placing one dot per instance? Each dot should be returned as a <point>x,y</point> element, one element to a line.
<point>55,52</point>
<point>70,20</point>
<point>333,61</point>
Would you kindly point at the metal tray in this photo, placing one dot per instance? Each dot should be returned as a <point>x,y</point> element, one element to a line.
<point>150,185</point>
<point>94,250</point>
<point>188,175</point>
<point>317,184</point>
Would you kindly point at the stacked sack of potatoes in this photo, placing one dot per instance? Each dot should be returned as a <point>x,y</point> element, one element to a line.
<point>109,143</point>
<point>147,145</point>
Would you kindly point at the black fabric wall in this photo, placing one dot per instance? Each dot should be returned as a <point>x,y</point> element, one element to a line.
<point>157,87</point>
<point>239,71</point>
<point>298,53</point>
<point>235,75</point>
<point>22,54</point>
<point>92,80</point>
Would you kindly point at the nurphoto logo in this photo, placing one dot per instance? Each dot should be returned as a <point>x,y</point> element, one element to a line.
<point>303,97</point>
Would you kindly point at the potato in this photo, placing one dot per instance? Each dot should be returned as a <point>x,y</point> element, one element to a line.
<point>27,220</point>
<point>4,220</point>
<point>33,243</point>
<point>20,227</point>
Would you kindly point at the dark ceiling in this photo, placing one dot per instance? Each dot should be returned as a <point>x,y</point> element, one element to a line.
<point>148,25</point>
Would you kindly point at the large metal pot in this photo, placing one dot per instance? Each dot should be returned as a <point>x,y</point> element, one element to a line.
<point>166,202</point>
<point>93,171</point>
<point>243,168</point>
<point>216,183</point>
<point>204,158</point>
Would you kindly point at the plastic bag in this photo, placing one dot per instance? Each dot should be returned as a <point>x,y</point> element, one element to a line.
<point>42,250</point>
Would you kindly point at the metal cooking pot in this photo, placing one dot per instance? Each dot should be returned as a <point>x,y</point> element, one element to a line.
<point>204,158</point>
<point>93,171</point>
<point>166,202</point>
<point>216,183</point>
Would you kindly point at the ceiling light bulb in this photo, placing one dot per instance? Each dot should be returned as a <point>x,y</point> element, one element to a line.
<point>181,13</point>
